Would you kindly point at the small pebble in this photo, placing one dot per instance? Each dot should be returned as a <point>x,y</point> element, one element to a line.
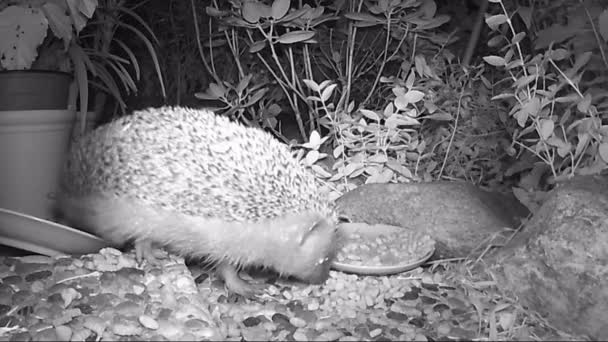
<point>297,322</point>
<point>375,332</point>
<point>37,286</point>
<point>40,275</point>
<point>330,335</point>
<point>46,335</point>
<point>417,322</point>
<point>148,322</point>
<point>397,316</point>
<point>251,321</point>
<point>298,335</point>
<point>443,329</point>
<point>420,337</point>
<point>63,332</point>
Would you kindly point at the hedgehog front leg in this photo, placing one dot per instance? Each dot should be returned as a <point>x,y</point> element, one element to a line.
<point>145,251</point>
<point>233,282</point>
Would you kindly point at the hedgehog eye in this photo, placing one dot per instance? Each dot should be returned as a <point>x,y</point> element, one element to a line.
<point>344,219</point>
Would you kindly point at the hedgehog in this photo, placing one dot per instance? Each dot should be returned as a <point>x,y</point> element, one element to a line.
<point>201,186</point>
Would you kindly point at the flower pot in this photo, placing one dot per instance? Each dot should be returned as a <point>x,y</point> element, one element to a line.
<point>92,121</point>
<point>34,89</point>
<point>33,147</point>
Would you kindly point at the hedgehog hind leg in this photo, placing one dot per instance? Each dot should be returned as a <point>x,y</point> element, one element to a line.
<point>229,274</point>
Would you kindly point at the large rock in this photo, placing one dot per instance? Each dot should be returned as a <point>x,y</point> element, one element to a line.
<point>558,264</point>
<point>459,216</point>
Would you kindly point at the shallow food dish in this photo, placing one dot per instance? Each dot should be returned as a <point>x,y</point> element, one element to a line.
<point>44,237</point>
<point>372,232</point>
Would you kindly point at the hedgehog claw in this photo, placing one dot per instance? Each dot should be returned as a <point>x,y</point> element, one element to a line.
<point>144,251</point>
<point>234,283</point>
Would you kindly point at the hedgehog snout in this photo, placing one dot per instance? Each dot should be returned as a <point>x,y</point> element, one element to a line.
<point>319,273</point>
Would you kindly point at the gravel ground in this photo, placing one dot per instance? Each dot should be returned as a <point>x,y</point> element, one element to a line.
<point>108,296</point>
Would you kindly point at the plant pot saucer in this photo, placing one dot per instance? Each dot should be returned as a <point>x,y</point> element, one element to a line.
<point>45,237</point>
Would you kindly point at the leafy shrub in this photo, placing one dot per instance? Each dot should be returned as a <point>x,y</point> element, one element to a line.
<point>557,98</point>
<point>389,96</point>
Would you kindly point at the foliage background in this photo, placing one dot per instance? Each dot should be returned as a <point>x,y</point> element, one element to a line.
<point>389,98</point>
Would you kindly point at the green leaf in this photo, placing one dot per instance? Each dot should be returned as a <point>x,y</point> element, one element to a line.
<point>324,84</point>
<point>399,168</point>
<point>546,128</point>
<point>205,96</point>
<point>295,37</point>
<point>414,96</point>
<point>428,9</point>
<point>584,104</point>
<point>563,147</point>
<point>581,60</point>
<point>253,11</point>
<point>59,22</point>
<point>508,55</point>
<point>495,41</point>
<point>603,26</point>
<point>396,120</point>
<point>502,96</point>
<point>401,102</point>
<point>518,37</point>
<point>338,151</point>
<point>327,92</point>
<point>494,60</point>
<point>146,27</point>
<point>80,59</point>
<point>214,12</point>
<point>439,117</point>
<point>409,81</point>
<point>370,114</point>
<point>148,45</point>
<point>603,151</point>
<point>243,83</point>
<point>388,110</point>
<point>521,117</point>
<point>496,20</point>
<point>312,85</point>
<point>559,54</point>
<point>256,97</point>
<point>311,157</point>
<point>294,15</point>
<point>351,168</point>
<point>364,17</point>
<point>21,32</point>
<point>279,9</point>
<point>514,64</point>
<point>215,43</point>
<point>524,81</point>
<point>434,22</point>
<point>257,46</point>
<point>216,90</point>
<point>532,106</point>
<point>583,139</point>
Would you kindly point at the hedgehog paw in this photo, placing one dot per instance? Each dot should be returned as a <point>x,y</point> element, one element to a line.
<point>145,251</point>
<point>235,284</point>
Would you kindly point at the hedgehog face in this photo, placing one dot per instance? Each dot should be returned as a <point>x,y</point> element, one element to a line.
<point>317,250</point>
